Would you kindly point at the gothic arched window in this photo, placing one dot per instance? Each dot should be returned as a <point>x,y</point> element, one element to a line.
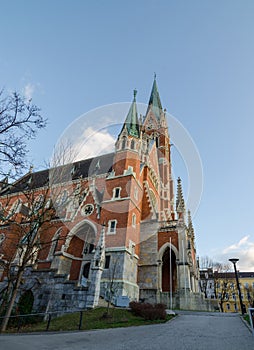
<point>124,143</point>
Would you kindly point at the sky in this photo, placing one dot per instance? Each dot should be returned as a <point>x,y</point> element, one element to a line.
<point>72,57</point>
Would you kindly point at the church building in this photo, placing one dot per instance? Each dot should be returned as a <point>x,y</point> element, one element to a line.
<point>119,232</point>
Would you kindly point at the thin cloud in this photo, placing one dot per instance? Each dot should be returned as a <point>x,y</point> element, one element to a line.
<point>243,242</point>
<point>243,250</point>
<point>93,143</point>
<point>28,91</point>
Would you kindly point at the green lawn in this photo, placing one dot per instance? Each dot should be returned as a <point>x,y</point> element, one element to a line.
<point>247,318</point>
<point>92,319</point>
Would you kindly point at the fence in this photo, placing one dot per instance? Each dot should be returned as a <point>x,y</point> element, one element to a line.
<point>23,323</point>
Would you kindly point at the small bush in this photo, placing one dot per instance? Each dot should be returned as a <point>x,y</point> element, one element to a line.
<point>25,304</point>
<point>149,311</point>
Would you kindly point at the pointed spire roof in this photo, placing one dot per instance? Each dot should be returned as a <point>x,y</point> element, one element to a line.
<point>180,205</point>
<point>154,100</point>
<point>132,122</point>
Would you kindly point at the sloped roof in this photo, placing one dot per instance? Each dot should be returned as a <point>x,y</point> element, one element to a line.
<point>226,274</point>
<point>80,169</point>
<point>230,275</point>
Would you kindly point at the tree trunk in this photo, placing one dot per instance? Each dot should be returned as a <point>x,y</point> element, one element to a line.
<point>221,307</point>
<point>11,302</point>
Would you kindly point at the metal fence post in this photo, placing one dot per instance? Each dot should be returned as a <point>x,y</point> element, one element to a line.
<point>80,320</point>
<point>48,323</point>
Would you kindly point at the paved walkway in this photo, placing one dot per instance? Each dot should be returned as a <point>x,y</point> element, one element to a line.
<point>188,331</point>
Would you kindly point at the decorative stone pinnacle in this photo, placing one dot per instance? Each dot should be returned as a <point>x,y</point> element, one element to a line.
<point>190,226</point>
<point>99,255</point>
<point>180,205</point>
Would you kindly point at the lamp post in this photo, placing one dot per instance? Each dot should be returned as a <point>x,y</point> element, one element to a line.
<point>234,261</point>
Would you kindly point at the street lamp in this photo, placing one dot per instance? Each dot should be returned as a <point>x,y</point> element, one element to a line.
<point>234,261</point>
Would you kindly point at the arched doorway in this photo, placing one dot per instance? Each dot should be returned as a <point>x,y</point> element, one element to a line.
<point>85,274</point>
<point>86,270</point>
<point>81,247</point>
<point>169,272</point>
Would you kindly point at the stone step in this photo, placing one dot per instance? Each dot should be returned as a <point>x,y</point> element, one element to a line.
<point>103,303</point>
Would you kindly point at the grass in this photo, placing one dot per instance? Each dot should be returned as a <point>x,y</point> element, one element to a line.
<point>247,318</point>
<point>92,319</point>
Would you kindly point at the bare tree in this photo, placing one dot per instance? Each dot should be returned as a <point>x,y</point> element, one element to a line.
<point>29,210</point>
<point>250,295</point>
<point>222,283</point>
<point>24,227</point>
<point>205,262</point>
<point>19,121</point>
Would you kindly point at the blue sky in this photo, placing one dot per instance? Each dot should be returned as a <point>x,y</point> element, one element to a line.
<point>74,56</point>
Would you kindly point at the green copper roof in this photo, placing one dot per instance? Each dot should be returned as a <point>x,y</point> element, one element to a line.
<point>154,100</point>
<point>131,121</point>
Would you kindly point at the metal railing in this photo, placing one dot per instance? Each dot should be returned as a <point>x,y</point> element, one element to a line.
<point>27,322</point>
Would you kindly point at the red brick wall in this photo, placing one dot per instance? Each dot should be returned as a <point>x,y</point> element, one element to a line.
<point>75,268</point>
<point>164,237</point>
<point>123,159</point>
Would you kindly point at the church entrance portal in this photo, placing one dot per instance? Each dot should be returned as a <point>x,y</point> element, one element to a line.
<point>169,273</point>
<point>82,246</point>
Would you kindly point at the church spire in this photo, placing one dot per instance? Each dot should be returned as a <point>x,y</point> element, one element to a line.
<point>180,205</point>
<point>154,100</point>
<point>131,122</point>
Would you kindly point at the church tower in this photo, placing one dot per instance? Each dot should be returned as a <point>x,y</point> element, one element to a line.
<point>167,255</point>
<point>121,207</point>
<point>155,128</point>
<point>128,143</point>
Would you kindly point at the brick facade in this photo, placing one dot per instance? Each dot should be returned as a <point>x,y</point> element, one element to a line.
<point>129,191</point>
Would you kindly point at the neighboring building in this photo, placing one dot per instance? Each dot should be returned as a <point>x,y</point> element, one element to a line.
<point>222,287</point>
<point>207,283</point>
<point>147,247</point>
